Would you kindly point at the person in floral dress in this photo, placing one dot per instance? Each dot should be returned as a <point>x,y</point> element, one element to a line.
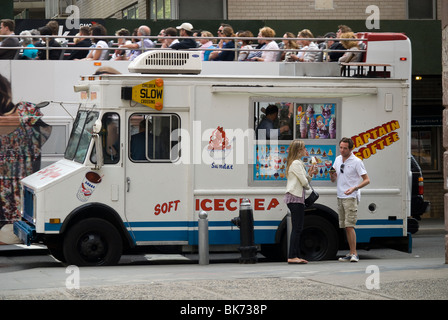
<point>22,134</point>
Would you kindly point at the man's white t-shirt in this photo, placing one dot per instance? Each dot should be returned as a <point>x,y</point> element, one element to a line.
<point>353,170</point>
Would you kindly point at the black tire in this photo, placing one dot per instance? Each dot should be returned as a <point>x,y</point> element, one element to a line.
<point>319,240</point>
<point>92,242</point>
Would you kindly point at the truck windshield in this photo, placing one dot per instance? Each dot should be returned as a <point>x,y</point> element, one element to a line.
<point>80,137</point>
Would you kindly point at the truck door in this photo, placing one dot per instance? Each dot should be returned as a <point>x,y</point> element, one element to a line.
<point>157,185</point>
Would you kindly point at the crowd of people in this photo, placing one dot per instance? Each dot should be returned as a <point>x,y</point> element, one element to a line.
<point>91,44</point>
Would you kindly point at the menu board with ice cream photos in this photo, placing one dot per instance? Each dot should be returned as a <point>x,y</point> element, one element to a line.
<point>315,121</point>
<point>324,156</point>
<point>270,161</point>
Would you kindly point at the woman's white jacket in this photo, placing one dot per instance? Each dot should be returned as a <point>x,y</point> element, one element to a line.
<point>297,179</point>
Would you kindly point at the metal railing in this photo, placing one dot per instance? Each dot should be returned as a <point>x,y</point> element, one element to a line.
<point>70,45</point>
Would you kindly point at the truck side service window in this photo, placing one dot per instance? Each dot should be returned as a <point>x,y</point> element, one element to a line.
<point>154,137</point>
<point>277,123</point>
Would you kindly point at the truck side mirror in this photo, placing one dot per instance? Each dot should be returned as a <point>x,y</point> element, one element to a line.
<point>97,127</point>
<point>98,144</point>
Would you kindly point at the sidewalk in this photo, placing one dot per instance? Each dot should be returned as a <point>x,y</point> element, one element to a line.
<point>427,226</point>
<point>431,225</point>
<point>421,275</point>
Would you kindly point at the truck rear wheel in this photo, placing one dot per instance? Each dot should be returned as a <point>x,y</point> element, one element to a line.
<point>92,242</point>
<point>319,240</point>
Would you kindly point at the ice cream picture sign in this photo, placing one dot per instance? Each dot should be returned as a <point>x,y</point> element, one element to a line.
<point>270,161</point>
<point>316,121</point>
<point>376,139</point>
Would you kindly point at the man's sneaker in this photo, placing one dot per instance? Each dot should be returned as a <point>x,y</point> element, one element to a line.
<point>354,258</point>
<point>347,258</point>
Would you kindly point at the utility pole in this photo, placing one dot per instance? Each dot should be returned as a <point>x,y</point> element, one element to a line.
<point>445,115</point>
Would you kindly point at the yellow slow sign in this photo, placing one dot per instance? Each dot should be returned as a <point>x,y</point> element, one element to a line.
<point>149,94</point>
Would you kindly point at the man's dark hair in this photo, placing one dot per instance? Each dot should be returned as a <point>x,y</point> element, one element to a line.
<point>349,141</point>
<point>9,23</point>
<point>272,108</point>
<point>45,31</point>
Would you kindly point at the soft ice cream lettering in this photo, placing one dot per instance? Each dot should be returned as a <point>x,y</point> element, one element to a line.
<point>166,207</point>
<point>376,139</point>
<point>232,204</point>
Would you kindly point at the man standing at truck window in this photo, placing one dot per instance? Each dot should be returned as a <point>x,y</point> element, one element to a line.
<point>351,175</point>
<point>267,130</point>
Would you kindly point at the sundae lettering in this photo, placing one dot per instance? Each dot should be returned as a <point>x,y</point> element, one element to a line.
<point>222,166</point>
<point>232,204</point>
<point>376,139</point>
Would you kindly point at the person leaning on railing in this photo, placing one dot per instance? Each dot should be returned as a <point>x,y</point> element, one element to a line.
<point>351,44</point>
<point>83,41</point>
<point>98,53</point>
<point>53,54</point>
<point>270,52</point>
<point>225,55</point>
<point>6,29</point>
<point>309,48</point>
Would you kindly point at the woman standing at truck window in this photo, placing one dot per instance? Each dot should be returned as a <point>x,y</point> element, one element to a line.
<point>22,133</point>
<point>297,182</point>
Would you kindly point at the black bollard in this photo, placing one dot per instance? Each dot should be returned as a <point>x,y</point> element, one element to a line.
<point>245,222</point>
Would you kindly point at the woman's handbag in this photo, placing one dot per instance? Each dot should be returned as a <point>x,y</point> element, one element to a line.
<point>309,201</point>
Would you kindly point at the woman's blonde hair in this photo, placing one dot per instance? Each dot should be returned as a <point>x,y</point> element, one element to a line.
<point>267,32</point>
<point>228,32</point>
<point>291,41</point>
<point>305,33</point>
<point>208,34</point>
<point>349,43</point>
<point>295,148</point>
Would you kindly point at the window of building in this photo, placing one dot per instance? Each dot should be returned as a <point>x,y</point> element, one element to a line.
<point>425,147</point>
<point>154,137</point>
<point>162,9</point>
<point>422,9</point>
<point>187,9</point>
<point>130,12</point>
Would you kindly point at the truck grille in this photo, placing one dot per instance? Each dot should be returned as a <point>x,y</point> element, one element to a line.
<point>28,204</point>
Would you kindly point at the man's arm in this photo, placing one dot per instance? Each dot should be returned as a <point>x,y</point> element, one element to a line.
<point>365,181</point>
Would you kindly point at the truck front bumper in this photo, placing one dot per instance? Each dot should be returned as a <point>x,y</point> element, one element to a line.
<point>25,232</point>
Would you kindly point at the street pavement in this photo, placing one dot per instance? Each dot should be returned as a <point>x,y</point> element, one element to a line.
<point>381,274</point>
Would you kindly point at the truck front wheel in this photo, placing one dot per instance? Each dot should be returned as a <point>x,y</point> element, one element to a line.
<point>92,242</point>
<point>319,240</point>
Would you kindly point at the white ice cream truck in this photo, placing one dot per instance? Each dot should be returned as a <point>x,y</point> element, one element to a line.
<point>151,149</point>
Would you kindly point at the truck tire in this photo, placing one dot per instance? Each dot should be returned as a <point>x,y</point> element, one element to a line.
<point>319,240</point>
<point>92,242</point>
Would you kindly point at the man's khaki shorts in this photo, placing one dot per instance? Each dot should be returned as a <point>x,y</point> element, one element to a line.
<point>348,212</point>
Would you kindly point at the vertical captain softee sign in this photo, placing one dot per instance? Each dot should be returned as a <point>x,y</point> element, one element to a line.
<point>149,94</point>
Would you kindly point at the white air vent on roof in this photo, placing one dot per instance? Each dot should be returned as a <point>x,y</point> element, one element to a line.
<point>167,61</point>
